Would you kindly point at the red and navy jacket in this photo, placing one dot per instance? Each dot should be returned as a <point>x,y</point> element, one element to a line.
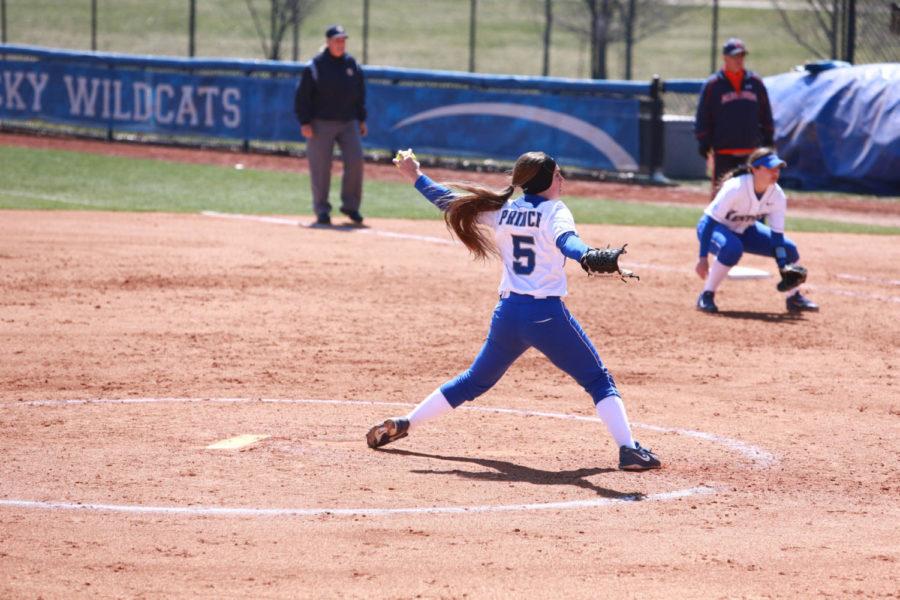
<point>728,119</point>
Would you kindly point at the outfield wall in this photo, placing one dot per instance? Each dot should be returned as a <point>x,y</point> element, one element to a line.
<point>604,125</point>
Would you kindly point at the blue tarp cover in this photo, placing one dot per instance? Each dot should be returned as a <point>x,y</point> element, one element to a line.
<point>839,129</point>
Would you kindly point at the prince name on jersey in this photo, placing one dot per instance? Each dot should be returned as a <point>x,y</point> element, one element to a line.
<point>519,218</point>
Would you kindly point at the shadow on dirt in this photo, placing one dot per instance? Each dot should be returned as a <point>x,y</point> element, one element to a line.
<point>507,472</point>
<point>767,317</point>
<point>337,227</point>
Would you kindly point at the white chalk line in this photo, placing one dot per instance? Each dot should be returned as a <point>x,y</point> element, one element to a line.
<point>288,512</point>
<point>864,279</point>
<point>436,240</point>
<point>852,293</point>
<point>59,198</point>
<point>299,223</point>
<point>757,455</point>
<point>368,231</point>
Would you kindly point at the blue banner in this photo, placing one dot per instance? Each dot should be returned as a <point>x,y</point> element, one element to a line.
<point>578,130</point>
<point>123,99</point>
<point>253,102</point>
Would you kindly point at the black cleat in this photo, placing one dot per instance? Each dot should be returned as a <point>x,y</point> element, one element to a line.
<point>637,458</point>
<point>322,220</point>
<point>707,303</point>
<point>389,431</point>
<point>799,303</point>
<point>354,216</point>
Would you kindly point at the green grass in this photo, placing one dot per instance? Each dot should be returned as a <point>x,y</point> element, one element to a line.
<point>429,34</point>
<point>63,180</point>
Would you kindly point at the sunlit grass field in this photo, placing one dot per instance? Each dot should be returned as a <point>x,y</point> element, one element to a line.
<point>65,180</point>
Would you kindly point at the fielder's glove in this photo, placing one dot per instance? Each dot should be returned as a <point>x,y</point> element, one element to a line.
<point>605,260</point>
<point>791,276</point>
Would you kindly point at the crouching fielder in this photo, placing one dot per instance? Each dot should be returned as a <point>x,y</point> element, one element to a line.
<point>731,225</point>
<point>533,234</point>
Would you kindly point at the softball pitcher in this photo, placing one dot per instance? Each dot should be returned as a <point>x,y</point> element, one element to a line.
<point>533,234</point>
<point>731,225</point>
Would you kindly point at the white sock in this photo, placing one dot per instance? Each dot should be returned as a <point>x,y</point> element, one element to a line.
<point>430,408</point>
<point>717,274</point>
<point>612,412</point>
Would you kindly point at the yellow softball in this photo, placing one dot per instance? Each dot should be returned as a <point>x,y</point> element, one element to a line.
<point>404,154</point>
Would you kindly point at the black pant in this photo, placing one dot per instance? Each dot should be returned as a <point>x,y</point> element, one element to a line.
<point>722,164</point>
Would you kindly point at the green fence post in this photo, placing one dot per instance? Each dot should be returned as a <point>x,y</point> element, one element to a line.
<point>365,36</point>
<point>192,27</point>
<point>473,7</point>
<point>548,25</point>
<point>295,33</point>
<point>93,25</point>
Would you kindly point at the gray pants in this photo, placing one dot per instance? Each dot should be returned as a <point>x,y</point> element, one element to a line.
<point>320,150</point>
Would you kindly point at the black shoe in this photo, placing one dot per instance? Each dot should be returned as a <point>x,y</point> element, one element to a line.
<point>323,219</point>
<point>707,303</point>
<point>799,303</point>
<point>389,431</point>
<point>637,458</point>
<point>354,216</point>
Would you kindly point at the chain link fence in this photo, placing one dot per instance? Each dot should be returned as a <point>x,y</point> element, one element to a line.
<point>856,31</point>
<point>612,39</point>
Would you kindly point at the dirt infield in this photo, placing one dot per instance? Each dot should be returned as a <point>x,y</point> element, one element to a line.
<point>779,434</point>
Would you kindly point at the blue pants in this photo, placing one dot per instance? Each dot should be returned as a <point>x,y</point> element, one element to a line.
<point>521,322</point>
<point>728,246</point>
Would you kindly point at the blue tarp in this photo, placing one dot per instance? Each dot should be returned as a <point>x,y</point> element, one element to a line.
<point>839,129</point>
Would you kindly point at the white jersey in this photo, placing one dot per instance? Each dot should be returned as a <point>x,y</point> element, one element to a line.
<point>526,235</point>
<point>737,207</point>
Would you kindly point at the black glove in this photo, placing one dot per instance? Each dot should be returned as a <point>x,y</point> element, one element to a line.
<point>791,276</point>
<point>605,260</point>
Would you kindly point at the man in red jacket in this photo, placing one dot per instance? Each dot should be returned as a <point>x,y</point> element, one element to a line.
<point>734,116</point>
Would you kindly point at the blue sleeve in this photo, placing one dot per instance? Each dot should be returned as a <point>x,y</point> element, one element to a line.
<point>437,194</point>
<point>780,252</point>
<point>571,245</point>
<point>707,224</point>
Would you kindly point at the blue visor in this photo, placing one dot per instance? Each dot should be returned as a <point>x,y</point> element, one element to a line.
<point>770,161</point>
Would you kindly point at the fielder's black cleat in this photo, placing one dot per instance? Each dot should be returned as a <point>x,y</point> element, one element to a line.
<point>799,303</point>
<point>707,303</point>
<point>389,431</point>
<point>637,458</point>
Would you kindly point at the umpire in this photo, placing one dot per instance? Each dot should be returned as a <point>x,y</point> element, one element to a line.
<point>734,116</point>
<point>331,106</point>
